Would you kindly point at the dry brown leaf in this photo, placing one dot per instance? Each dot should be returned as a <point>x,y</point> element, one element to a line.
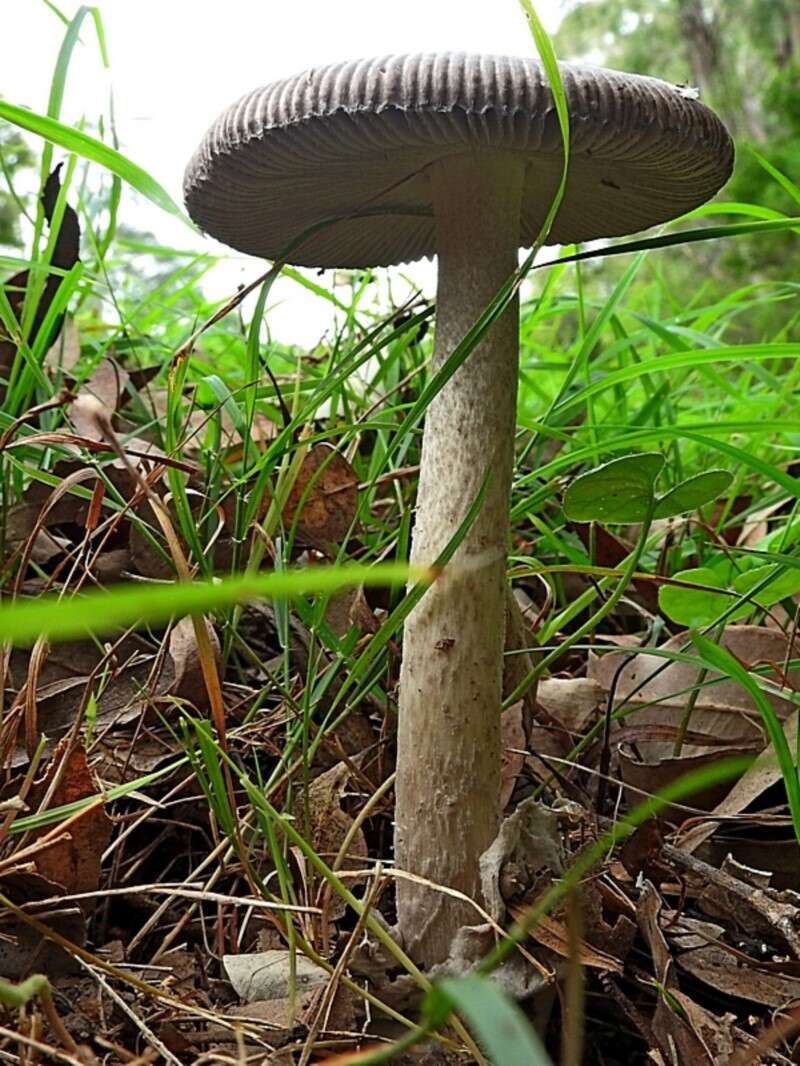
<point>182,674</point>
<point>65,351</point>
<point>514,740</point>
<point>73,862</point>
<point>761,775</point>
<point>22,949</point>
<point>672,1032</point>
<point>267,975</point>
<point>324,824</point>
<point>762,912</point>
<point>105,386</point>
<point>552,934</point>
<point>775,851</point>
<point>324,498</point>
<point>572,701</point>
<point>727,973</point>
<point>668,687</point>
<point>347,608</point>
<point>658,698</point>
<point>118,676</point>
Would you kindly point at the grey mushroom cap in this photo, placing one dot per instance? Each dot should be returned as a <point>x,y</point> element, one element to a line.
<point>328,168</point>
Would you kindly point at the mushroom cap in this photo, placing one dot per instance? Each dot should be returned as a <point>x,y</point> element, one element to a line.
<point>342,150</point>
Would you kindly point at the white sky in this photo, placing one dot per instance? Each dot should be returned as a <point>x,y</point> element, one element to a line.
<point>175,64</point>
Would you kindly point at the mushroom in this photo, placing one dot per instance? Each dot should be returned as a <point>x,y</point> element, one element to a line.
<point>387,160</point>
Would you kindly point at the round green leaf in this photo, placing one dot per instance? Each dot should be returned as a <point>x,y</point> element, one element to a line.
<point>693,493</point>
<point>782,585</point>
<point>619,491</point>
<point>696,607</point>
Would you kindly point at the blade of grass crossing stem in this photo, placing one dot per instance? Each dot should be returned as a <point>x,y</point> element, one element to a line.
<point>720,659</point>
<point>100,611</point>
<point>509,289</point>
<point>95,151</point>
<point>547,56</point>
<point>357,673</point>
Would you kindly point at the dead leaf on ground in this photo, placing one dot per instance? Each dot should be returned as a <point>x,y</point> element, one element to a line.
<point>572,701</point>
<point>325,825</point>
<point>742,904</point>
<point>729,974</point>
<point>22,948</point>
<point>267,975</point>
<point>348,608</point>
<point>760,776</point>
<point>324,498</point>
<point>117,675</point>
<point>675,1034</point>
<point>552,934</point>
<point>65,351</point>
<point>724,720</point>
<point>73,862</point>
<point>527,849</point>
<point>668,686</point>
<point>105,386</point>
<point>182,673</point>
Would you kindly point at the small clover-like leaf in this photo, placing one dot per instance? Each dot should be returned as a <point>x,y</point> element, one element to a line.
<point>619,491</point>
<point>692,493</point>
<point>696,607</point>
<point>701,606</point>
<point>782,585</point>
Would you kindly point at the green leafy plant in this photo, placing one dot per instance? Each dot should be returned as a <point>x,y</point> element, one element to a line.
<point>623,490</point>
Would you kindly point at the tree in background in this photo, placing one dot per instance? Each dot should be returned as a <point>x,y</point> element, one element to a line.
<point>15,155</point>
<point>743,56</point>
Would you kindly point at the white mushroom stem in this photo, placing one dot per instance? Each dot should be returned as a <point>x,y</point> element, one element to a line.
<point>449,751</point>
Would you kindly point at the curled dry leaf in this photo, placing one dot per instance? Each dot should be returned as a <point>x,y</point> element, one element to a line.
<point>182,673</point>
<point>760,776</point>
<point>724,721</point>
<point>669,686</point>
<point>526,850</point>
<point>105,386</point>
<point>325,825</point>
<point>552,934</point>
<point>324,498</point>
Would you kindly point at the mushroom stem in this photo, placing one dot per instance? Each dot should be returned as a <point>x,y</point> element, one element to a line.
<point>449,751</point>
